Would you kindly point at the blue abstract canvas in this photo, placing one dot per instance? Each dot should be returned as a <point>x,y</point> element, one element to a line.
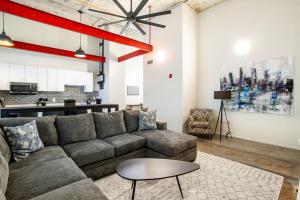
<point>265,86</point>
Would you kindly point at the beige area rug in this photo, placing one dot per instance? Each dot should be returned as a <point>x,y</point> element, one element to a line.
<point>218,178</point>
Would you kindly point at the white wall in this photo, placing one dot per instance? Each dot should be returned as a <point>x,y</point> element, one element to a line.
<point>134,77</point>
<point>189,66</point>
<point>273,29</point>
<point>160,92</point>
<point>173,98</point>
<point>119,75</point>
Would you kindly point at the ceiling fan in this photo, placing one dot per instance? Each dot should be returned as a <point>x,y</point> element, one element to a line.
<point>132,16</point>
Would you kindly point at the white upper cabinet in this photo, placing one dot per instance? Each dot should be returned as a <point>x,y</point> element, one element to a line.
<point>89,82</point>
<point>42,79</point>
<point>4,80</point>
<point>60,80</point>
<point>52,80</point>
<point>75,78</point>
<point>31,74</point>
<point>48,79</point>
<point>56,80</point>
<point>16,73</point>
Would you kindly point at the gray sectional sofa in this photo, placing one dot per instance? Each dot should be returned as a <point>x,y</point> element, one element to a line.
<point>81,148</point>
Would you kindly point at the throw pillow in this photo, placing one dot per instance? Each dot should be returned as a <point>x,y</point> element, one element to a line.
<point>23,140</point>
<point>147,120</point>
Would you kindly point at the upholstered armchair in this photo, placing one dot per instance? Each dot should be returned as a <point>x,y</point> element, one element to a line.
<point>201,122</point>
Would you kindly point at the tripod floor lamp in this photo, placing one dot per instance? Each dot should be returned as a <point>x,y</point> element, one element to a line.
<point>222,95</point>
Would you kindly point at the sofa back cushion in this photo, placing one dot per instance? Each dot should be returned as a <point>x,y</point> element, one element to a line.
<point>4,148</point>
<point>109,124</point>
<point>75,128</point>
<point>4,171</point>
<point>131,119</point>
<point>45,126</point>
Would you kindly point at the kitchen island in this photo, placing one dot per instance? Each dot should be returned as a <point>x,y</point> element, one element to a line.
<point>15,111</point>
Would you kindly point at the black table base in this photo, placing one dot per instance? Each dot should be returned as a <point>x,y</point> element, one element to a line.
<point>133,186</point>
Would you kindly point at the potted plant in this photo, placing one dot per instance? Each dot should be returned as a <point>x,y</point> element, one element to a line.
<point>70,102</point>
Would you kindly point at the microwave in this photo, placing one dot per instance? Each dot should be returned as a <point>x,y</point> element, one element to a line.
<point>23,88</point>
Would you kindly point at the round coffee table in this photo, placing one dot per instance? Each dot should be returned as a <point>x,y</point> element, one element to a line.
<point>143,169</point>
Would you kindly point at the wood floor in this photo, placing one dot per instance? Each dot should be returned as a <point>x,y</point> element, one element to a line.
<point>279,160</point>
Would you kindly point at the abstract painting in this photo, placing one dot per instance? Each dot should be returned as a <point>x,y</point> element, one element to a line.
<point>265,86</point>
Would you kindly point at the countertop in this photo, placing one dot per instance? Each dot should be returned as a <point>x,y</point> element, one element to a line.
<point>5,112</point>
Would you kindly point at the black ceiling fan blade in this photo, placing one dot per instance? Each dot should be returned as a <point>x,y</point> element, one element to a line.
<point>106,13</point>
<point>121,7</point>
<point>125,27</point>
<point>139,8</point>
<point>154,14</point>
<point>110,23</point>
<point>139,28</point>
<point>150,23</point>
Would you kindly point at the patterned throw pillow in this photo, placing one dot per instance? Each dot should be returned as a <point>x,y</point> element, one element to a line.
<point>23,140</point>
<point>147,120</point>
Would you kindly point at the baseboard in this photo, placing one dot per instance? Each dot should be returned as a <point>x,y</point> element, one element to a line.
<point>298,198</point>
<point>271,143</point>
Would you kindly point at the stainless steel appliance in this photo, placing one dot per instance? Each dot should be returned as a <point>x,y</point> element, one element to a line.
<point>23,88</point>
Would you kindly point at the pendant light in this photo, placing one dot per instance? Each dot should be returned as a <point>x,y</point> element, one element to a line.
<point>79,53</point>
<point>5,40</point>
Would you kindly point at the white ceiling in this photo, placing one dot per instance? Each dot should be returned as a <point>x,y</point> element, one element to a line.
<point>68,8</point>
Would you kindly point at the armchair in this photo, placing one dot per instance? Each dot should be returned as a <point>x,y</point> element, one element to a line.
<point>201,122</point>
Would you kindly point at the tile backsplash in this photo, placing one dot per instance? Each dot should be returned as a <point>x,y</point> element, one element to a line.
<point>73,92</point>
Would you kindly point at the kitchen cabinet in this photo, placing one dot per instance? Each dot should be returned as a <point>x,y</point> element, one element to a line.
<point>4,80</point>
<point>60,80</point>
<point>77,78</point>
<point>89,83</point>
<point>31,74</point>
<point>52,80</point>
<point>42,79</point>
<point>16,73</point>
<point>56,81</point>
<point>47,79</point>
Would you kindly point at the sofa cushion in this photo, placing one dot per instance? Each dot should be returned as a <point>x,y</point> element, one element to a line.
<point>2,197</point>
<point>23,140</point>
<point>45,125</point>
<point>147,120</point>
<point>32,181</point>
<point>4,172</point>
<point>167,142</point>
<point>109,124</point>
<point>82,190</point>
<point>47,154</point>
<point>84,153</point>
<point>4,148</point>
<point>75,128</point>
<point>131,119</point>
<point>126,143</point>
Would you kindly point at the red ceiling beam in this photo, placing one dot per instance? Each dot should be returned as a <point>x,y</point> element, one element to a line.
<point>54,51</point>
<point>50,19</point>
<point>131,55</point>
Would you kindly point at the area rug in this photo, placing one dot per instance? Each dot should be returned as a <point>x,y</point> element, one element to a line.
<point>218,178</point>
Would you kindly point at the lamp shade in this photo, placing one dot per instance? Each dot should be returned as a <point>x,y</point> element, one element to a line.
<point>222,95</point>
<point>80,53</point>
<point>5,40</point>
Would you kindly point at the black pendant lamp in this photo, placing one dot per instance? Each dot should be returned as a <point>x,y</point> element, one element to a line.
<point>79,53</point>
<point>5,40</point>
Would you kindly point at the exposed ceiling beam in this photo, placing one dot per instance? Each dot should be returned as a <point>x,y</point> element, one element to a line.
<point>54,51</point>
<point>131,55</point>
<point>50,19</point>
